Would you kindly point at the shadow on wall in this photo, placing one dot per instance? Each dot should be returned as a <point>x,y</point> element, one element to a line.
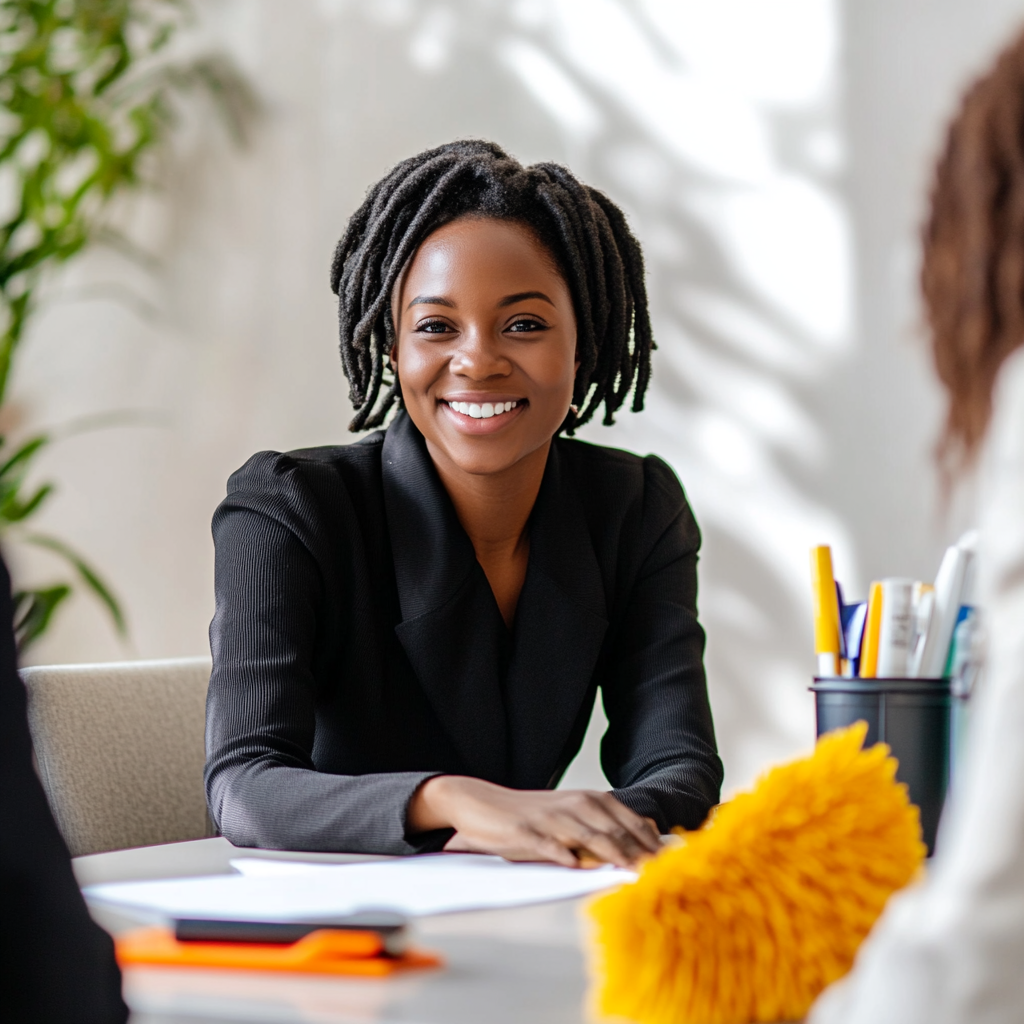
<point>724,148</point>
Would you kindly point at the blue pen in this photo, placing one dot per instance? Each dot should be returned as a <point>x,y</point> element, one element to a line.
<point>842,627</point>
<point>853,618</point>
<point>959,647</point>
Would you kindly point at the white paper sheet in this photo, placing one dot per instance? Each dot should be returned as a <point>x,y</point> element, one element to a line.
<point>273,890</point>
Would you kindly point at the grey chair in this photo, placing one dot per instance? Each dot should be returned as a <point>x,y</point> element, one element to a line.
<point>120,750</point>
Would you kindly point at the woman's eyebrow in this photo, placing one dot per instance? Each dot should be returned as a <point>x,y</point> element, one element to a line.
<point>520,296</point>
<point>431,300</point>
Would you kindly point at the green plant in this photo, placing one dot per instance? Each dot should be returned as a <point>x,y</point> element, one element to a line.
<point>87,96</point>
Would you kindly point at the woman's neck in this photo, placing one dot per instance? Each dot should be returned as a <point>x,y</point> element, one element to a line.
<point>494,510</point>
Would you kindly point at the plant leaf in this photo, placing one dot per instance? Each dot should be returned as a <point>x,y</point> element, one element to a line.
<point>13,507</point>
<point>14,511</point>
<point>24,454</point>
<point>89,575</point>
<point>33,610</point>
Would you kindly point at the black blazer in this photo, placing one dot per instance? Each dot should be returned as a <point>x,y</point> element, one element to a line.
<point>358,648</point>
<point>56,964</point>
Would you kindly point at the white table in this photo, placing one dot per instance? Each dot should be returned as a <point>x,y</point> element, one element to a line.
<point>518,965</point>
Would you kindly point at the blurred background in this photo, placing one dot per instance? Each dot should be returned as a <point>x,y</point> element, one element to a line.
<point>774,160</point>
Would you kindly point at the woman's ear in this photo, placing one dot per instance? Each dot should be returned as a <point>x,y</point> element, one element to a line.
<point>393,358</point>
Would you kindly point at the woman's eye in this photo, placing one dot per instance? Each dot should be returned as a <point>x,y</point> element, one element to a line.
<point>526,325</point>
<point>433,327</point>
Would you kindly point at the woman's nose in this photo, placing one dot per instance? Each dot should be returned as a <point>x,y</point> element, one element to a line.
<point>479,356</point>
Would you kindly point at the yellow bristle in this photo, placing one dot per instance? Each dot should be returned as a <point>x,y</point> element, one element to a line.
<point>753,915</point>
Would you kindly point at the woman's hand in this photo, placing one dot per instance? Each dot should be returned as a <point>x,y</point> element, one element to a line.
<point>564,826</point>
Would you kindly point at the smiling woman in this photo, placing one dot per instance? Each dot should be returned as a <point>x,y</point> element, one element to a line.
<point>411,630</point>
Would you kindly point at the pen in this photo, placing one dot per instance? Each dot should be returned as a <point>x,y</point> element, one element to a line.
<point>924,612</point>
<point>965,654</point>
<point>961,642</point>
<point>950,586</point>
<point>826,611</point>
<point>853,617</point>
<point>844,657</point>
<point>895,628</point>
<point>872,628</point>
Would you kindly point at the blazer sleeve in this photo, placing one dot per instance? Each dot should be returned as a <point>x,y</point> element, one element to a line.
<point>659,752</point>
<point>262,786</point>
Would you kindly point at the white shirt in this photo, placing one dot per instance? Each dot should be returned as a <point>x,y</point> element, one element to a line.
<point>950,950</point>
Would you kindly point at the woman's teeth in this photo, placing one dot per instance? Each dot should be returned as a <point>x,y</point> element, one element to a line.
<point>484,411</point>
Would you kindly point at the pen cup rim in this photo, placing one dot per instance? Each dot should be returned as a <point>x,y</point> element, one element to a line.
<point>845,684</point>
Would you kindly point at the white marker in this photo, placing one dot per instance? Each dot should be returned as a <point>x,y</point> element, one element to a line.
<point>924,613</point>
<point>950,589</point>
<point>897,628</point>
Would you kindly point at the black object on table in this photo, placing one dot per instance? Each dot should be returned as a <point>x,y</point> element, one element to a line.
<point>390,926</point>
<point>913,717</point>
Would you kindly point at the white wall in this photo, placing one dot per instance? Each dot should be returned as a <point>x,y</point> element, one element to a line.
<point>772,159</point>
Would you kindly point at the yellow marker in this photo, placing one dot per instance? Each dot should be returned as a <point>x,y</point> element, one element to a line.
<point>872,629</point>
<point>826,611</point>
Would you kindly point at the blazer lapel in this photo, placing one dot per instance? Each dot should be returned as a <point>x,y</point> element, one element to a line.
<point>561,620</point>
<point>451,626</point>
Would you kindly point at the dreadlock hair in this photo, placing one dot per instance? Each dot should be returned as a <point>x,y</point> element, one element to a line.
<point>585,232</point>
<point>972,273</point>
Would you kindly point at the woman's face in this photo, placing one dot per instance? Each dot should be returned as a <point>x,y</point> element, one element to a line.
<point>486,348</point>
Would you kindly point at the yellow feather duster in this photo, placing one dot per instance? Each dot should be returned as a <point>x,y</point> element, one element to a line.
<point>749,918</point>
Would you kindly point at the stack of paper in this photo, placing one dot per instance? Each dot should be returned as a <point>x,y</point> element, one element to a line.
<point>274,890</point>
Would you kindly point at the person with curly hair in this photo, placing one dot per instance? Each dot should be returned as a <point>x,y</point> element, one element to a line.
<point>411,630</point>
<point>949,950</point>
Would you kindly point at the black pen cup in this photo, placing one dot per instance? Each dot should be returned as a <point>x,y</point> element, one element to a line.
<point>912,716</point>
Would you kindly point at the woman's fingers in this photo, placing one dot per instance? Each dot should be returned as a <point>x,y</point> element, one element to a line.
<point>599,824</point>
<point>614,845</point>
<point>566,827</point>
<point>551,849</point>
<point>644,830</point>
<point>633,834</point>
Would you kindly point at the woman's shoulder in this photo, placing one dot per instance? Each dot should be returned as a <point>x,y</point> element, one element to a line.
<point>307,466</point>
<point>619,484</point>
<point>308,484</point>
<point>619,471</point>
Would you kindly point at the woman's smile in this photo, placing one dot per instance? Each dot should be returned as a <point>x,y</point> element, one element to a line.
<point>483,413</point>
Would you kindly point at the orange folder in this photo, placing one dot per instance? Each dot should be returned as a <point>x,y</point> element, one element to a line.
<point>321,952</point>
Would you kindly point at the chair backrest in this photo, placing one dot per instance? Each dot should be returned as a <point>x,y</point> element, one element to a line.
<point>120,750</point>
